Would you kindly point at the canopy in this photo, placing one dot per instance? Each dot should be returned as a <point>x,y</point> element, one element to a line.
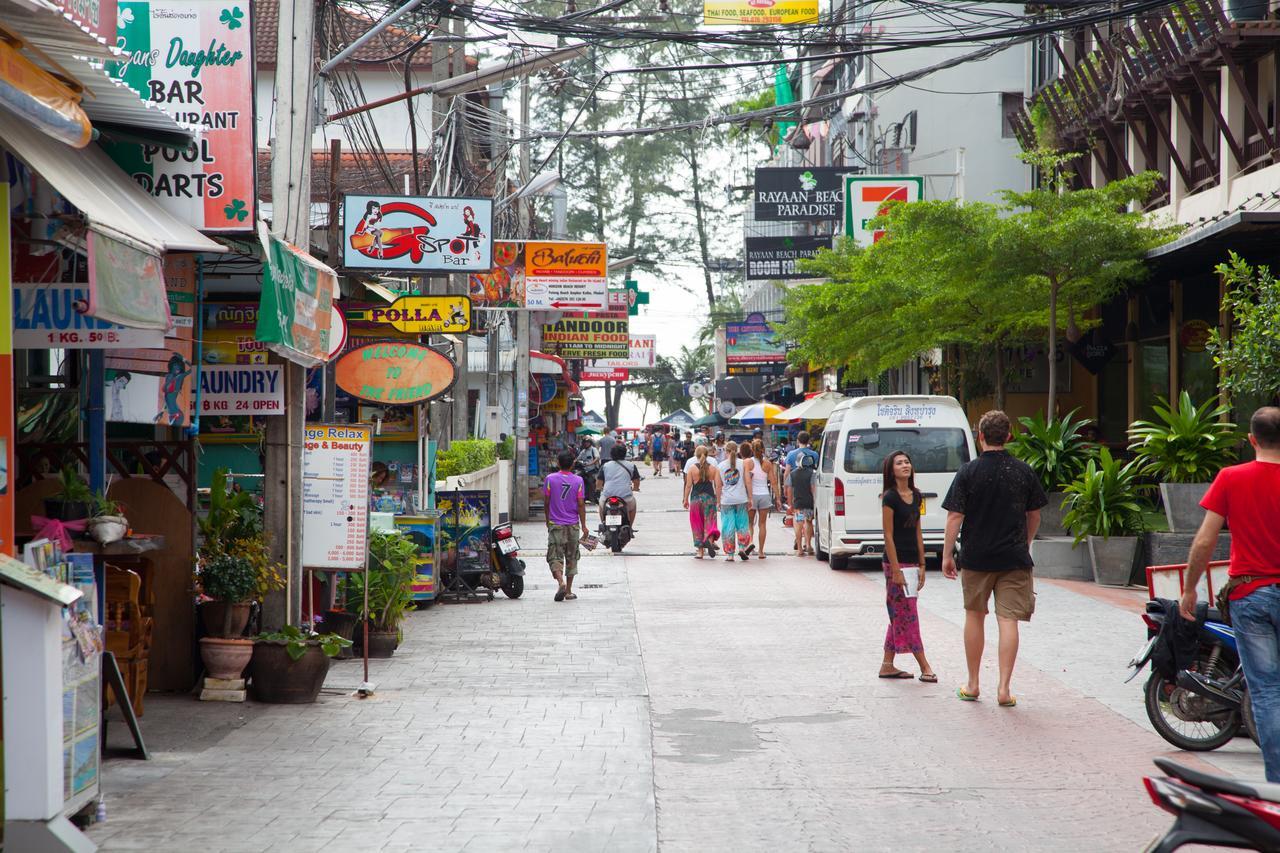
<point>758,414</point>
<point>816,408</point>
<point>712,419</point>
<point>586,429</point>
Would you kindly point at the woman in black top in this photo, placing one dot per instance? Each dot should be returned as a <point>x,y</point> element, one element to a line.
<point>903,548</point>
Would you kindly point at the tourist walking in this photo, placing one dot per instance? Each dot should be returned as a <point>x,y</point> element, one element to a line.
<point>791,462</point>
<point>763,477</point>
<point>607,441</point>
<point>657,451</point>
<point>701,497</point>
<point>565,495</point>
<point>735,527</point>
<point>994,506</point>
<point>718,448</point>
<point>800,487</point>
<point>1247,497</point>
<point>903,565</point>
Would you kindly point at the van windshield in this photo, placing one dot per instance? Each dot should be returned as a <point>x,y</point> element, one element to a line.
<point>932,451</point>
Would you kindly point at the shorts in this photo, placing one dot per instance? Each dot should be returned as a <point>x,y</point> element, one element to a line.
<point>659,456</point>
<point>762,502</point>
<point>562,547</point>
<point>1015,592</point>
<point>803,514</point>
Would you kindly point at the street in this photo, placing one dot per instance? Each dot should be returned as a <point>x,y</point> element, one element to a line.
<point>677,705</point>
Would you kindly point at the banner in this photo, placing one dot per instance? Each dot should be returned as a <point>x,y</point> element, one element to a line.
<point>126,284</point>
<point>642,352</point>
<point>605,374</point>
<point>51,316</point>
<point>297,302</point>
<point>721,13</point>
<point>774,258</point>
<point>389,232</point>
<point>234,389</point>
<point>798,195</point>
<point>194,60</point>
<point>587,338</point>
<point>866,197</point>
<point>752,342</point>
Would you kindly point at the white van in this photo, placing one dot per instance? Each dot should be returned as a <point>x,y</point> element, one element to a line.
<point>859,436</point>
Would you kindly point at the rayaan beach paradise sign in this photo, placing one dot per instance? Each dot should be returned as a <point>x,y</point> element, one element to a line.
<point>194,60</point>
<point>394,373</point>
<point>417,233</point>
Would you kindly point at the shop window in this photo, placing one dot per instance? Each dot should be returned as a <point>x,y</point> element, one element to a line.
<point>1196,373</point>
<point>1010,104</point>
<point>1153,312</point>
<point>1153,375</point>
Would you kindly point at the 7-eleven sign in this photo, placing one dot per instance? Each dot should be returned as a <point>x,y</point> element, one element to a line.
<point>865,197</point>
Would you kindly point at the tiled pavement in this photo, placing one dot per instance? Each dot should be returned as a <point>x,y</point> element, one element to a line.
<point>679,705</point>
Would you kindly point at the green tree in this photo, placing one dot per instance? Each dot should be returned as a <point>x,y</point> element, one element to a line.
<point>1248,357</point>
<point>663,385</point>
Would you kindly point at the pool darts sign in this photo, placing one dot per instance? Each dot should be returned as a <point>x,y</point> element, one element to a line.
<point>417,233</point>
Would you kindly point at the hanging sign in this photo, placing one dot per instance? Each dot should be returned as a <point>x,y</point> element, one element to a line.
<point>194,60</point>
<point>297,302</point>
<point>774,258</point>
<point>126,284</point>
<point>417,233</point>
<point>605,374</point>
<point>49,316</point>
<point>722,13</point>
<point>566,276</point>
<point>798,195</point>
<point>394,373</point>
<point>587,338</point>
<point>234,389</point>
<point>642,352</point>
<point>424,314</point>
<point>628,298</point>
<point>866,197</point>
<point>335,495</point>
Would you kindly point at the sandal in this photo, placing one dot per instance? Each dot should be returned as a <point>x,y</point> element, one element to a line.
<point>572,596</point>
<point>929,677</point>
<point>896,674</point>
<point>965,697</point>
<point>560,593</point>
<point>1011,703</point>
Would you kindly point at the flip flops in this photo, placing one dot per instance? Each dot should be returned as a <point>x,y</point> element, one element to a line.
<point>965,697</point>
<point>897,674</point>
<point>930,678</point>
<point>1011,703</point>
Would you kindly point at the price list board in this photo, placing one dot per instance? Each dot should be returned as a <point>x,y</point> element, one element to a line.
<point>335,491</point>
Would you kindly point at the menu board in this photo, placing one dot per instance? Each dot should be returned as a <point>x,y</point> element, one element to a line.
<point>335,493</point>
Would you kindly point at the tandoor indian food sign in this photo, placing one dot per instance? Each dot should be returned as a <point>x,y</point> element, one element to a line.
<point>588,338</point>
<point>394,373</point>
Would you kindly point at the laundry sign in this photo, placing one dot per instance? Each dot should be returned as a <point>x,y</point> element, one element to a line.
<point>242,389</point>
<point>51,316</point>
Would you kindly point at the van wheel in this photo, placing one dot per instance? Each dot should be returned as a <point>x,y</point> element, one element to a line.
<point>817,544</point>
<point>839,561</point>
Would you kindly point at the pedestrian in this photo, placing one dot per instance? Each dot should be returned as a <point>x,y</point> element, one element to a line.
<point>735,528</point>
<point>719,448</point>
<point>791,463</point>
<point>762,474</point>
<point>565,495</point>
<point>903,565</point>
<point>1247,497</point>
<point>800,487</point>
<point>657,452</point>
<point>994,505</point>
<point>606,443</point>
<point>679,457</point>
<point>701,497</point>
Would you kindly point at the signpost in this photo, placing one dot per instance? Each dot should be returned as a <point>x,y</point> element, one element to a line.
<point>335,490</point>
<point>424,315</point>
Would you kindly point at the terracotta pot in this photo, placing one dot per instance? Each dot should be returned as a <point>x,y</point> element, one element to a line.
<point>279,679</point>
<point>382,644</point>
<point>225,657</point>
<point>212,614</point>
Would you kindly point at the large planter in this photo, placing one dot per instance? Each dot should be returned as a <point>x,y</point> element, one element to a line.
<point>67,510</point>
<point>1182,505</point>
<point>213,613</point>
<point>279,679</point>
<point>343,624</point>
<point>1051,517</point>
<point>225,657</point>
<point>382,644</point>
<point>1112,559</point>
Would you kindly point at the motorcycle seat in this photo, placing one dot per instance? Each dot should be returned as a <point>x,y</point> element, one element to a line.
<point>1220,784</point>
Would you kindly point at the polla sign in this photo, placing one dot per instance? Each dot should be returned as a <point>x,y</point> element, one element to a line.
<point>424,315</point>
<point>193,59</point>
<point>865,198</point>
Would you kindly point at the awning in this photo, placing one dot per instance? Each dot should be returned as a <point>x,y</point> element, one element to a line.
<point>553,365</point>
<point>478,361</point>
<point>1250,233</point>
<point>114,204</point>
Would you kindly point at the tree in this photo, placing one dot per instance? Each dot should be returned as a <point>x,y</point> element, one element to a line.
<point>1247,358</point>
<point>664,384</point>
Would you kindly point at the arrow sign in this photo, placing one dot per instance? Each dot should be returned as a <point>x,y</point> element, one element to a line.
<point>423,315</point>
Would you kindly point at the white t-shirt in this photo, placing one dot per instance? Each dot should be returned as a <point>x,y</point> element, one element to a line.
<point>733,489</point>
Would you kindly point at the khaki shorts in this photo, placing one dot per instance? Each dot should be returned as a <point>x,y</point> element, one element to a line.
<point>562,547</point>
<point>1015,592</point>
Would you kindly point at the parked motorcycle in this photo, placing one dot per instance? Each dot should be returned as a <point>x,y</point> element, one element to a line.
<point>616,527</point>
<point>508,567</point>
<point>1214,810</point>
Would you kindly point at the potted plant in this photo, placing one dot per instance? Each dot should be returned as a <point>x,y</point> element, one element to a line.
<point>1105,506</point>
<point>1057,451</point>
<point>289,666</point>
<point>390,576</point>
<point>108,523</point>
<point>233,525</point>
<point>1183,449</point>
<point>228,578</point>
<point>73,501</point>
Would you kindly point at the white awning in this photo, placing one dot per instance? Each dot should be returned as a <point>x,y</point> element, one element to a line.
<point>112,201</point>
<point>541,364</point>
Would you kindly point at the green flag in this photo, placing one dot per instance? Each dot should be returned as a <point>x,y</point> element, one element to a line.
<point>782,95</point>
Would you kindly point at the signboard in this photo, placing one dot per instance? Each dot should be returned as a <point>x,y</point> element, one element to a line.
<point>642,353</point>
<point>96,16</point>
<point>628,298</point>
<point>234,389</point>
<point>772,368</point>
<point>605,374</point>
<point>722,13</point>
<point>566,275</point>
<point>297,302</point>
<point>394,373</point>
<point>194,60</point>
<point>425,314</point>
<point>335,496</point>
<point>866,197</point>
<point>752,342</point>
<point>798,195</point>
<point>774,258</point>
<point>559,404</point>
<point>419,233</point>
<point>52,316</point>
<point>587,338</point>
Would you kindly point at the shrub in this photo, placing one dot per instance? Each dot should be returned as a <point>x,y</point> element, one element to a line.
<point>463,457</point>
<point>1189,444</point>
<point>1106,499</point>
<point>1054,449</point>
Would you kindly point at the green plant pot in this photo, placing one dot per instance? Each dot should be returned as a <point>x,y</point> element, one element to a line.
<point>1051,517</point>
<point>1182,505</point>
<point>278,679</point>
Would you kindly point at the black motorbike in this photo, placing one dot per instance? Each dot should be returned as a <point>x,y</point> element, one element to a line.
<point>589,473</point>
<point>615,530</point>
<point>507,564</point>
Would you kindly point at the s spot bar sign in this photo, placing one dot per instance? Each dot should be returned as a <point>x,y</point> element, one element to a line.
<point>422,315</point>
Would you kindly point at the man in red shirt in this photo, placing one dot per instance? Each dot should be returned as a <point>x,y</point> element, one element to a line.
<point>1248,496</point>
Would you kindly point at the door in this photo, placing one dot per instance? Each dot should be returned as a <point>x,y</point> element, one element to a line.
<point>825,476</point>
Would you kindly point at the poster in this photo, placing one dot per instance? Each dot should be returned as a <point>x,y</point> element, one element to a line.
<point>235,389</point>
<point>133,398</point>
<point>798,195</point>
<point>774,258</point>
<point>297,302</point>
<point>866,197</point>
<point>503,285</point>
<point>194,60</point>
<point>390,232</point>
<point>335,495</point>
<point>722,13</point>
<point>465,517</point>
<point>587,338</point>
<point>52,315</point>
<point>752,342</point>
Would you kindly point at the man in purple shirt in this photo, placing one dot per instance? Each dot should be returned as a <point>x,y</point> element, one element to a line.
<point>565,496</point>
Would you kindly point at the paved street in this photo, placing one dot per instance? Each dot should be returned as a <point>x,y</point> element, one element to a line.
<point>677,705</point>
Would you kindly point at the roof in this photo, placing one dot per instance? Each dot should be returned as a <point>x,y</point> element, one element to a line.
<point>357,173</point>
<point>1250,233</point>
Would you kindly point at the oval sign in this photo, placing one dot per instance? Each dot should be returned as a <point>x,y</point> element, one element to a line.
<point>394,373</point>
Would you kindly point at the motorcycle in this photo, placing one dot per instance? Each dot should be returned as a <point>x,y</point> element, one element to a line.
<point>589,473</point>
<point>616,527</point>
<point>508,567</point>
<point>1214,810</point>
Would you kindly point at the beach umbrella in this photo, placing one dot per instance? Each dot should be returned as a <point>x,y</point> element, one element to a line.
<point>758,414</point>
<point>816,408</point>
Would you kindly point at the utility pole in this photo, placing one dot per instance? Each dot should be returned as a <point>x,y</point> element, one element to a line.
<point>291,221</point>
<point>458,281</point>
<point>438,420</point>
<point>520,511</point>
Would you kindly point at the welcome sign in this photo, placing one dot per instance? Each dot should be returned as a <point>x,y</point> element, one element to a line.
<point>193,59</point>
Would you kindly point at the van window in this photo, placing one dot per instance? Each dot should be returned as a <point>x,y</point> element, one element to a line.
<point>932,451</point>
<point>830,447</point>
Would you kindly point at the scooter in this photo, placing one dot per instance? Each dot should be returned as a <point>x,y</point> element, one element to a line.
<point>1213,810</point>
<point>616,528</point>
<point>509,568</point>
<point>589,473</point>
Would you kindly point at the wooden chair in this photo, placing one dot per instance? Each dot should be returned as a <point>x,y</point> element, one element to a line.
<point>128,632</point>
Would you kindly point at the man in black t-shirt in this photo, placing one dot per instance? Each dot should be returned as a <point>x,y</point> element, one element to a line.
<point>994,506</point>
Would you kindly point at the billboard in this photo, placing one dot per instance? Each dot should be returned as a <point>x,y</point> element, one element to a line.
<point>866,197</point>
<point>752,342</point>
<point>798,195</point>
<point>774,258</point>
<point>551,275</point>
<point>418,233</point>
<point>723,13</point>
<point>642,353</point>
